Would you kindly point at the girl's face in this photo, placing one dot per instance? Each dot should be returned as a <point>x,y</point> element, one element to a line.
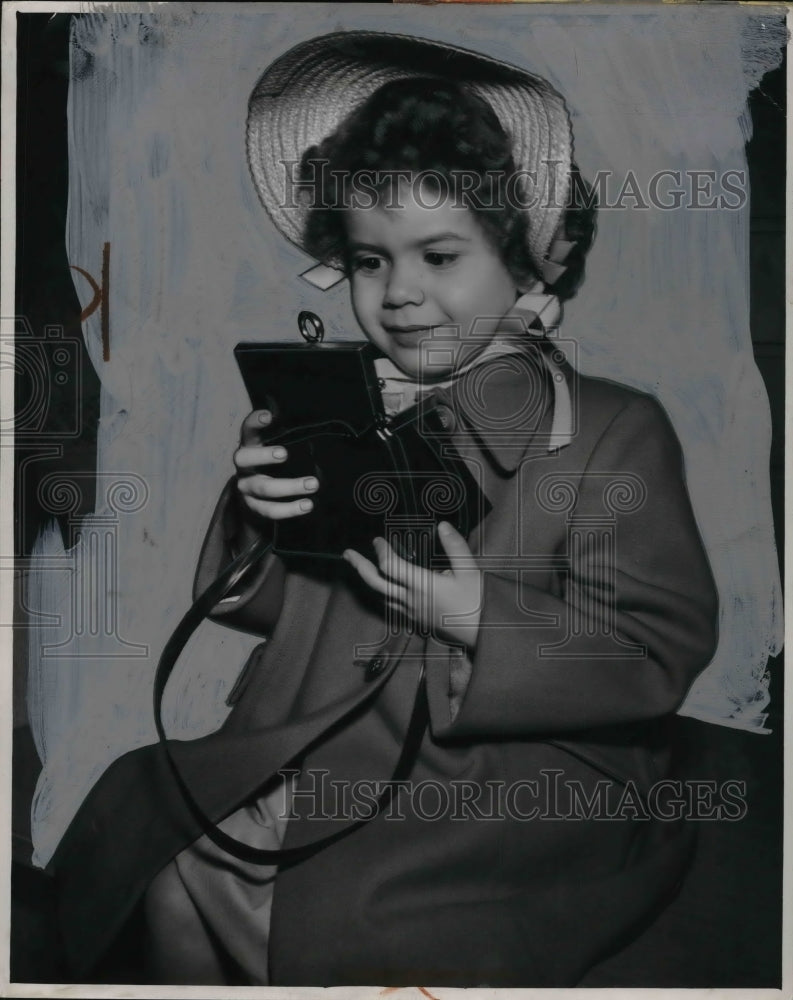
<point>428,286</point>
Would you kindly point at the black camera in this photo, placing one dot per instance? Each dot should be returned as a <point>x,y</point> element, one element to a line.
<point>395,478</point>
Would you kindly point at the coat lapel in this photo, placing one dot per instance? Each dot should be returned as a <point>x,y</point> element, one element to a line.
<point>516,403</point>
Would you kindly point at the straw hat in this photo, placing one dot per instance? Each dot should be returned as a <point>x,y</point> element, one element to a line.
<point>305,94</point>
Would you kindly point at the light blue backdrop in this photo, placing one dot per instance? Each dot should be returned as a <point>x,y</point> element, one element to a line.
<point>157,168</point>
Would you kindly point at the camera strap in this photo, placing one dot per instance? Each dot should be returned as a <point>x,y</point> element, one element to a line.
<point>200,609</point>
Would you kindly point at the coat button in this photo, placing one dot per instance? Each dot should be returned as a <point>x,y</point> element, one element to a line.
<point>446,417</point>
<point>374,667</point>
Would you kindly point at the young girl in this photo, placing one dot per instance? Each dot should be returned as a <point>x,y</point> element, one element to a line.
<point>529,839</point>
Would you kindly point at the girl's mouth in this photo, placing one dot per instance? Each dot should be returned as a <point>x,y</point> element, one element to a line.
<point>408,334</point>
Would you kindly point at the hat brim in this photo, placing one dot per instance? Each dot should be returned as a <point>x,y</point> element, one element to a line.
<point>306,93</point>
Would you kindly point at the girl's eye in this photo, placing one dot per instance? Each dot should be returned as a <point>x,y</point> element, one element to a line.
<point>436,258</point>
<point>368,264</point>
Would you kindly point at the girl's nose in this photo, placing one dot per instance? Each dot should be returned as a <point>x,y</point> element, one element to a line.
<point>403,287</point>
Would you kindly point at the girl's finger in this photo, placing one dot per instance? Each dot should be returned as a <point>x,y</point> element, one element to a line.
<point>396,612</point>
<point>395,567</point>
<point>455,547</point>
<point>278,510</point>
<point>252,456</point>
<point>253,425</point>
<point>263,487</point>
<point>370,575</point>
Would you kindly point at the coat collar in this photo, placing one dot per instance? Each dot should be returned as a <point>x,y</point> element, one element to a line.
<point>515,403</point>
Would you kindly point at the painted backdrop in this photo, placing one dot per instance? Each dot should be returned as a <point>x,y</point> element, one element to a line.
<point>159,185</point>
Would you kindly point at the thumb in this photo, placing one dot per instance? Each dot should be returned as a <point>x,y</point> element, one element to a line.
<point>455,547</point>
<point>255,424</point>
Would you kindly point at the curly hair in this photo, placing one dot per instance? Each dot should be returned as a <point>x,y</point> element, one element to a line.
<point>443,131</point>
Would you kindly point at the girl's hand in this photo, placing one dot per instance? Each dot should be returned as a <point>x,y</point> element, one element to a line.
<point>447,604</point>
<point>262,493</point>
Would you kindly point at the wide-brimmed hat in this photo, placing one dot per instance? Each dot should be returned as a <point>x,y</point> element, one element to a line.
<point>306,93</point>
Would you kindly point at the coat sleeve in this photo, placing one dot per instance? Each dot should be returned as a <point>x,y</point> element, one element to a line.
<point>255,604</point>
<point>624,628</point>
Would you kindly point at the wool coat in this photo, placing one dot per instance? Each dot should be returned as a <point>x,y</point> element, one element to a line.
<point>598,611</point>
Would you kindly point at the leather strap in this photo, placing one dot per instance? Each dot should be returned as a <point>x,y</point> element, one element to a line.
<point>200,609</point>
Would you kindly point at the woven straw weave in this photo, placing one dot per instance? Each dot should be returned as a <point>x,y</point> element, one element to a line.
<point>306,93</point>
